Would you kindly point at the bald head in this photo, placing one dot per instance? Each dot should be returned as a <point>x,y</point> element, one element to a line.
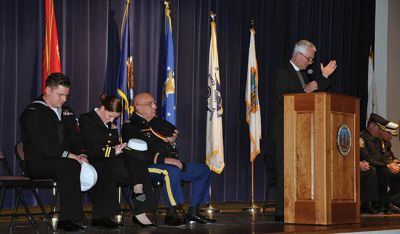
<point>140,97</point>
<point>145,105</point>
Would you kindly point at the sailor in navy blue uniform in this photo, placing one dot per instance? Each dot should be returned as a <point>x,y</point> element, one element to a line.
<point>52,148</point>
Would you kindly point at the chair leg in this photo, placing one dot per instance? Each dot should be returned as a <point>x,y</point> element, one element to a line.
<point>127,196</point>
<point>183,213</point>
<point>85,220</point>
<point>29,215</point>
<point>47,216</point>
<point>19,199</point>
<point>157,193</point>
<point>53,200</point>
<point>2,193</point>
<point>16,204</point>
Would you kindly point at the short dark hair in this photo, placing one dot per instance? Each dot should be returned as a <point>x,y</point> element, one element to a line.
<point>56,79</point>
<point>111,103</point>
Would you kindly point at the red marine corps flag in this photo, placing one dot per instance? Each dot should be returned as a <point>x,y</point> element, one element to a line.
<point>51,55</point>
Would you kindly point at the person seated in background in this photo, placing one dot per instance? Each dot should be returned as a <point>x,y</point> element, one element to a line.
<point>389,130</point>
<point>52,148</point>
<point>161,137</point>
<point>368,184</point>
<point>115,163</point>
<point>387,171</point>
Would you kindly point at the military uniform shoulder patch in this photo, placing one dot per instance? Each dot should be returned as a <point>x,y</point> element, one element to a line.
<point>362,143</point>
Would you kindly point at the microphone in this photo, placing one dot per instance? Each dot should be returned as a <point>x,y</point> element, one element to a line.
<point>310,73</point>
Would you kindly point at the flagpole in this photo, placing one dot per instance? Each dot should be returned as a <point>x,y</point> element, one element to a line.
<point>253,208</point>
<point>214,136</point>
<point>252,106</point>
<point>210,209</point>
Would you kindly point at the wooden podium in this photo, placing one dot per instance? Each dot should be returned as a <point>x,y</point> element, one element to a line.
<point>321,185</point>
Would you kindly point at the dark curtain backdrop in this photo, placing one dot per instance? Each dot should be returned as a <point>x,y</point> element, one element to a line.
<point>89,47</point>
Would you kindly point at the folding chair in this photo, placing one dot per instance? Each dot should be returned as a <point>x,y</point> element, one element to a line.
<point>38,183</point>
<point>18,183</point>
<point>157,187</point>
<point>125,191</point>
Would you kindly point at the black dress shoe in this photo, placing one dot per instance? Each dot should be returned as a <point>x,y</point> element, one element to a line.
<point>196,218</point>
<point>394,209</point>
<point>172,221</point>
<point>104,222</point>
<point>137,222</point>
<point>68,226</point>
<point>387,211</point>
<point>205,218</point>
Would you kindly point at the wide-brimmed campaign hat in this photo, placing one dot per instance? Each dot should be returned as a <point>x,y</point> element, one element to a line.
<point>88,176</point>
<point>137,148</point>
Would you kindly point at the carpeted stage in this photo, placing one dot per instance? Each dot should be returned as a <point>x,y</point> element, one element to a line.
<point>230,219</point>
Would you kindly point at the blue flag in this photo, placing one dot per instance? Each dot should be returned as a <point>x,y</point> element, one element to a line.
<point>125,72</point>
<point>169,106</point>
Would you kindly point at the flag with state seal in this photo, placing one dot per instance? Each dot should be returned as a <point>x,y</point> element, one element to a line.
<point>253,116</point>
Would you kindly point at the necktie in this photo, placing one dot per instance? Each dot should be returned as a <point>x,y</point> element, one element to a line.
<point>303,84</point>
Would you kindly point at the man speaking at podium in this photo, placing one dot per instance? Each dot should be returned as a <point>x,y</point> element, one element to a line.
<point>292,78</point>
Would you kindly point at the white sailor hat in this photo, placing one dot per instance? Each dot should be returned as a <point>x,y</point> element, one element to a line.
<point>88,176</point>
<point>137,144</point>
<point>138,149</point>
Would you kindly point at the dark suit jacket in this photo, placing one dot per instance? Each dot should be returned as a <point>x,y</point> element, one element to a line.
<point>286,81</point>
<point>44,135</point>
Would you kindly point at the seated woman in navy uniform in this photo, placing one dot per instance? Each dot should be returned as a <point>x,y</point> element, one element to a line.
<point>161,136</point>
<point>104,150</point>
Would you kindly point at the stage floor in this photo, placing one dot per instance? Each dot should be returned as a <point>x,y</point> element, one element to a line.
<point>232,220</point>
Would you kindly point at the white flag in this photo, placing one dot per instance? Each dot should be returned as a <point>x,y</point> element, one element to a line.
<point>215,141</point>
<point>372,106</point>
<point>253,116</point>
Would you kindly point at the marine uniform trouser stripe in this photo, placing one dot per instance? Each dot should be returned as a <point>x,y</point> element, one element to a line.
<point>167,183</point>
